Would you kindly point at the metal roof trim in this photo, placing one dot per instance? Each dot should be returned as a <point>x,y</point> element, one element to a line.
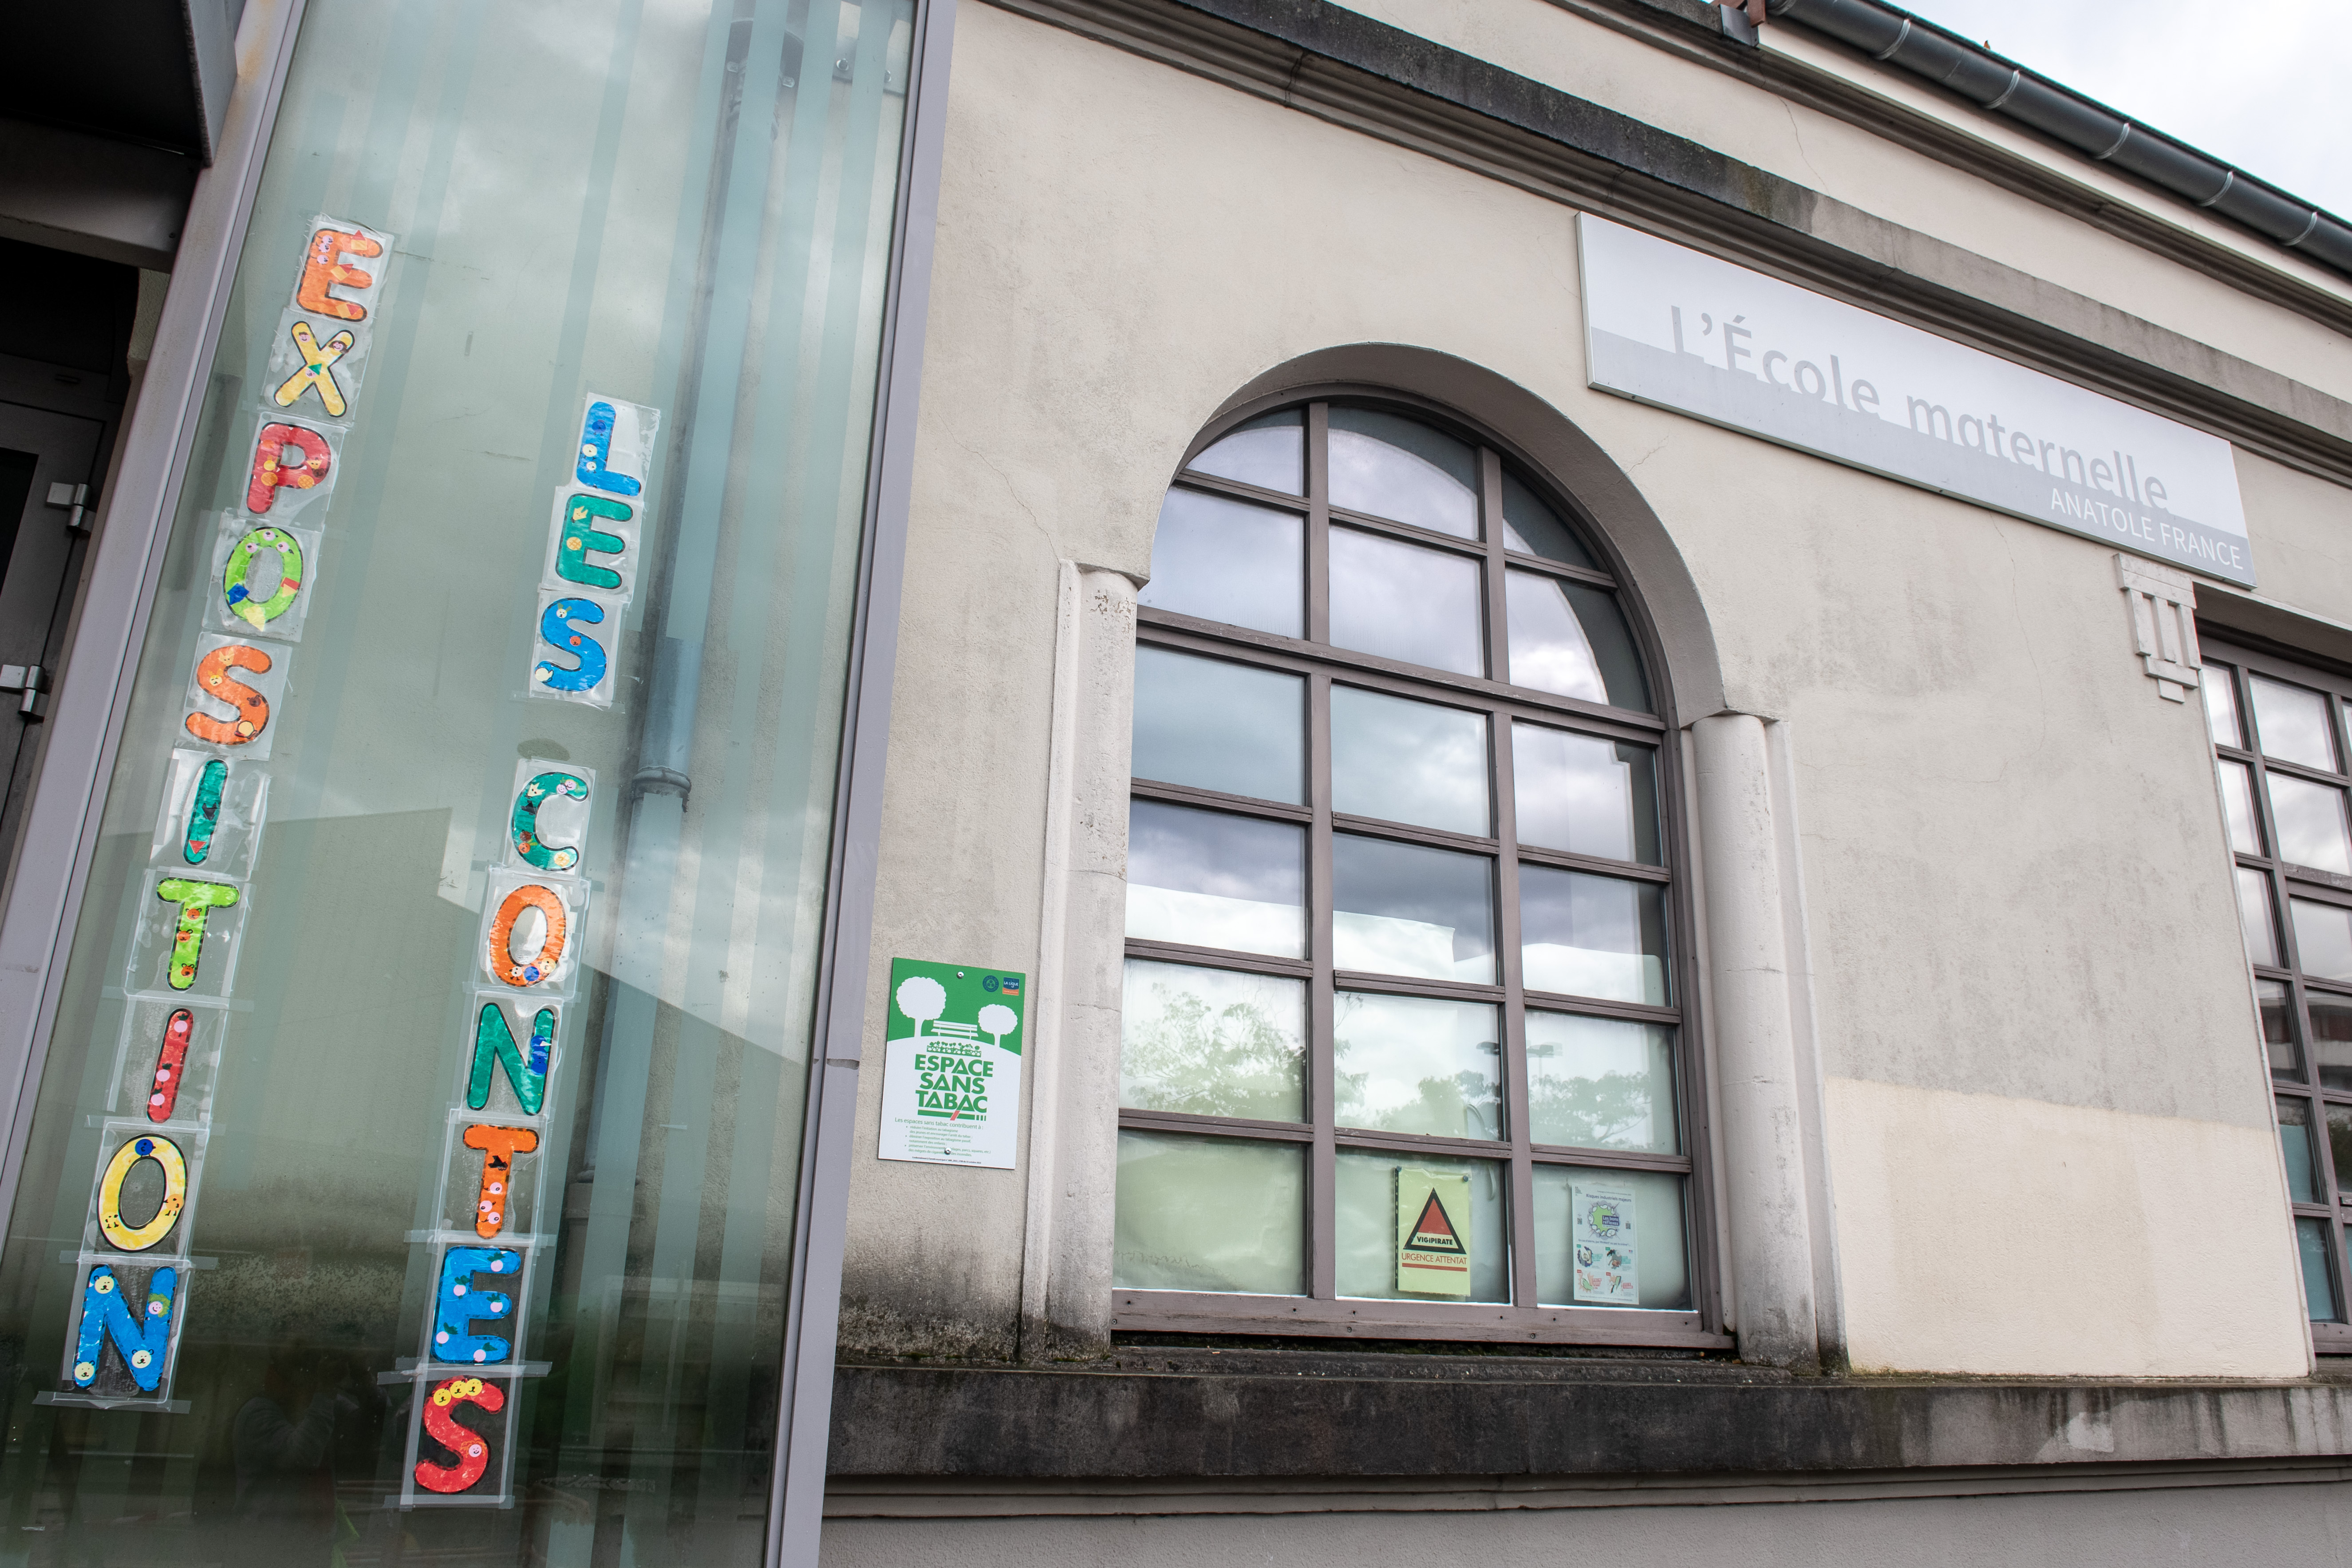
<point>2000,86</point>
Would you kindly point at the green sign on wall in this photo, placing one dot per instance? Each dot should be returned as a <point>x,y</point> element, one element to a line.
<point>951,1072</point>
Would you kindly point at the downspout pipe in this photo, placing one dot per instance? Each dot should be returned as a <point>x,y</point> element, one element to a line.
<point>2089,127</point>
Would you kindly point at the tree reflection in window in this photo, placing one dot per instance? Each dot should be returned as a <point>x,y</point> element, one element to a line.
<point>1210,1042</point>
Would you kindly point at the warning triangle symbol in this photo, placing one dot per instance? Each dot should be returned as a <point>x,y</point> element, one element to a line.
<point>1433,1231</point>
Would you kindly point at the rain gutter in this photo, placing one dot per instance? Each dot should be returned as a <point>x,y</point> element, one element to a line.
<point>2004,87</point>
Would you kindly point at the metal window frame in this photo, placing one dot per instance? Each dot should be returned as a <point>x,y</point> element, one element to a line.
<point>42,902</point>
<point>820,1233</point>
<point>1322,1311</point>
<point>2231,659</point>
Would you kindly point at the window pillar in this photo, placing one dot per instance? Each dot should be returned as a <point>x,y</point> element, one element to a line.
<point>1065,1266</point>
<point>1764,1181</point>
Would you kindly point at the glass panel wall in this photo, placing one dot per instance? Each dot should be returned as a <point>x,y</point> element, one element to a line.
<point>413,1175</point>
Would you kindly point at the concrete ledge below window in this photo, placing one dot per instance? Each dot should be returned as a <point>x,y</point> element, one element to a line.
<point>1180,1414</point>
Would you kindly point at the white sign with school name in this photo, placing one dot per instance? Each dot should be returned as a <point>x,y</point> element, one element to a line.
<point>1668,326</point>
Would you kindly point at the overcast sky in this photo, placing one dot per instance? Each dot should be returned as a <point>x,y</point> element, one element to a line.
<point>2264,84</point>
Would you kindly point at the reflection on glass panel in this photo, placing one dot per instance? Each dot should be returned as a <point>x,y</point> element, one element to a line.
<point>2318,1277</point>
<point>2339,1144</point>
<point>1610,1238</point>
<point>2220,705</point>
<point>1584,794</point>
<point>2290,721</point>
<point>1370,1222</point>
<point>1212,1042</point>
<point>1215,879</point>
<point>1214,724</point>
<point>2331,1037</point>
<point>1210,1214</point>
<point>1406,602</point>
<point>2309,820</point>
<point>2294,1145</point>
<point>2238,807</point>
<point>1399,469</point>
<point>2323,937</point>
<point>1414,1064</point>
<point>1600,1083</point>
<point>1268,452</point>
<point>591,224</point>
<point>2254,915</point>
<point>1403,760</point>
<point>1583,935</point>
<point>1534,528</point>
<point>1571,638</point>
<point>2278,1025</point>
<point>1407,908</point>
<point>1228,560</point>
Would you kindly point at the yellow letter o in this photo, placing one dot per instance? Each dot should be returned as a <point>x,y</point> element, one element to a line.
<point>165,1152</point>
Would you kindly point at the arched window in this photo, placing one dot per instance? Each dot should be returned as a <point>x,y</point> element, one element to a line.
<point>1402,1042</point>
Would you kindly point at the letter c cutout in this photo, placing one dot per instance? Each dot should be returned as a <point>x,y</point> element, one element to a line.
<point>527,841</point>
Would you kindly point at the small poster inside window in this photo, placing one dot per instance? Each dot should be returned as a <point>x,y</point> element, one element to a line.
<point>1433,1214</point>
<point>1601,1238</point>
<point>951,1072</point>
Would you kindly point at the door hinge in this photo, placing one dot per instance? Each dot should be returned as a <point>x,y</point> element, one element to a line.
<point>29,678</point>
<point>75,500</point>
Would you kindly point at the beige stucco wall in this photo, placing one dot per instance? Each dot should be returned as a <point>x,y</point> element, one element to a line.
<point>2030,999</point>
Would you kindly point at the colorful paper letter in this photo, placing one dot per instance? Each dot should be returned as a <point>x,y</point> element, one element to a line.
<point>458,1305</point>
<point>141,1341</point>
<point>527,841</point>
<point>582,537</point>
<point>242,603</point>
<point>272,472</point>
<point>317,370</point>
<point>473,1453</point>
<point>498,1145</point>
<point>560,626</point>
<point>322,269</point>
<point>203,811</point>
<point>170,1065</point>
<point>494,1044</point>
<point>503,963</point>
<point>213,679</point>
<point>197,900</point>
<point>596,450</point>
<point>140,1237</point>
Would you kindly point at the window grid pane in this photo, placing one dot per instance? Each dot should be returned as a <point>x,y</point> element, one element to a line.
<point>1427,1081</point>
<point>2279,730</point>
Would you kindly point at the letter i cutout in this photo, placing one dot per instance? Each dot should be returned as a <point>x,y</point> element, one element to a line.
<point>170,1065</point>
<point>203,811</point>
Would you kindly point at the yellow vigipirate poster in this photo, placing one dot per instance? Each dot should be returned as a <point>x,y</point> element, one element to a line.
<point>1433,1214</point>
